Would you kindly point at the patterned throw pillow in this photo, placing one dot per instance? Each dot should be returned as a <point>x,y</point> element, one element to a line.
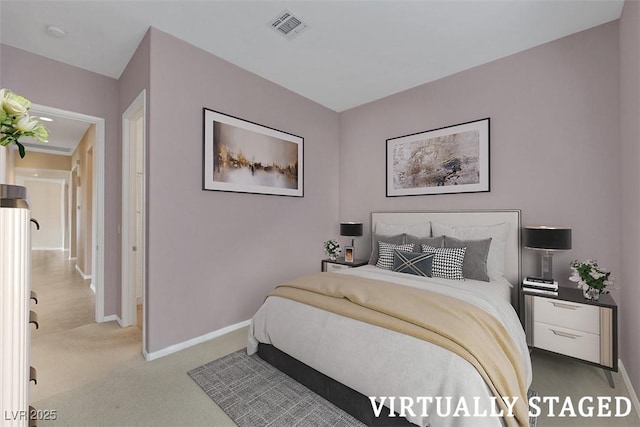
<point>447,262</point>
<point>385,259</point>
<point>416,263</point>
<point>375,253</point>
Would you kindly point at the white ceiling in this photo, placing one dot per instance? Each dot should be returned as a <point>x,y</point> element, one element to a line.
<point>352,52</point>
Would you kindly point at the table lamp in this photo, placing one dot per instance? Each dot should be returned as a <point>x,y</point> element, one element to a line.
<point>547,240</point>
<point>351,229</point>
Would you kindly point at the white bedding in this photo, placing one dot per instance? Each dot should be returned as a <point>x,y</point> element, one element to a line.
<point>379,362</point>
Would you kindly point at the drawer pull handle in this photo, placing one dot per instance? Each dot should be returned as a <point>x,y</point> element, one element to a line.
<point>564,334</point>
<point>33,375</point>
<point>567,306</point>
<point>33,318</point>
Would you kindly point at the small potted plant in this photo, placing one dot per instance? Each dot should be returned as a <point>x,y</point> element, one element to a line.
<point>592,279</point>
<point>332,249</point>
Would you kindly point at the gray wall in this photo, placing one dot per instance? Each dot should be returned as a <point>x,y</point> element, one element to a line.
<point>630,137</point>
<point>213,256</point>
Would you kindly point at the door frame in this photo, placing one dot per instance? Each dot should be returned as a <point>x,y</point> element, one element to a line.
<point>73,213</point>
<point>137,109</point>
<point>97,203</point>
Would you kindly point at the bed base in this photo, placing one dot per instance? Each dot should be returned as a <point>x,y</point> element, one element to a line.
<point>352,402</point>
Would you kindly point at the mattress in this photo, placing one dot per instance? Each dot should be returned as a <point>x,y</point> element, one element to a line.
<point>379,362</point>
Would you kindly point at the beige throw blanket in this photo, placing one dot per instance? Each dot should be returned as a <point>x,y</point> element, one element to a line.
<point>456,325</point>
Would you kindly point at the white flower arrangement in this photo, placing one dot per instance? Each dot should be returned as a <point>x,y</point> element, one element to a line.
<point>331,248</point>
<point>15,121</point>
<point>590,276</point>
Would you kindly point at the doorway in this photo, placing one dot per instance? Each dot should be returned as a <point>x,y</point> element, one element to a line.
<point>134,215</point>
<point>96,252</point>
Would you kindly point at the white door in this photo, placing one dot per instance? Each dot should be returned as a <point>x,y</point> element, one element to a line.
<point>133,212</point>
<point>138,189</point>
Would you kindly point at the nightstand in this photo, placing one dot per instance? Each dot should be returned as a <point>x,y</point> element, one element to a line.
<point>340,263</point>
<point>571,325</point>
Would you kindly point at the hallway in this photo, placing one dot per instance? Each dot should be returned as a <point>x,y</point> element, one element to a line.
<point>69,349</point>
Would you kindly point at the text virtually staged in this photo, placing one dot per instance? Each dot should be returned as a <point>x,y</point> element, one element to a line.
<point>551,406</point>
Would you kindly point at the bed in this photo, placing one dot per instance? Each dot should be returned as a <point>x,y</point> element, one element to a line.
<point>348,360</point>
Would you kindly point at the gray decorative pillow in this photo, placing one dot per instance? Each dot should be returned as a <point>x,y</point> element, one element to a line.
<point>416,263</point>
<point>396,240</point>
<point>447,262</point>
<point>475,257</point>
<point>386,254</point>
<point>435,242</point>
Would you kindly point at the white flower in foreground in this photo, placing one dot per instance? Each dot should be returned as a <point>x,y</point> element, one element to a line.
<point>26,124</point>
<point>41,133</point>
<point>15,122</point>
<point>15,105</point>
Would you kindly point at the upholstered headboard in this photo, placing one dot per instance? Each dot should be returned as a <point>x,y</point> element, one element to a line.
<point>467,218</point>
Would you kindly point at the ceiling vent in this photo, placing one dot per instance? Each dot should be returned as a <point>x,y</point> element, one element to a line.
<point>287,24</point>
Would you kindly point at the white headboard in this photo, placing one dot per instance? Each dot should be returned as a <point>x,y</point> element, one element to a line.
<point>469,218</point>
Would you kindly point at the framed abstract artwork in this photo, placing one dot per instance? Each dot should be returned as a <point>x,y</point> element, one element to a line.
<point>245,157</point>
<point>452,159</point>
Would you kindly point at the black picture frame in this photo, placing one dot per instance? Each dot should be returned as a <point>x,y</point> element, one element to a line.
<point>450,159</point>
<point>240,156</point>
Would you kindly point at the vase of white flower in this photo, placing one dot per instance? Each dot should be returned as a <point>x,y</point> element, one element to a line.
<point>591,293</point>
<point>332,249</point>
<point>15,121</point>
<point>592,279</point>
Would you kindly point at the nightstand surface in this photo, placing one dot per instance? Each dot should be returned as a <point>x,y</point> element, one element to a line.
<point>575,295</point>
<point>341,262</point>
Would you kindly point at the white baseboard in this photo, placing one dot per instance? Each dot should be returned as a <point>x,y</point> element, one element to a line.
<point>194,341</point>
<point>112,318</point>
<point>47,249</point>
<point>84,276</point>
<point>627,382</point>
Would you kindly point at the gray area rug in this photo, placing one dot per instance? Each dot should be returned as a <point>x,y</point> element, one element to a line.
<point>254,393</point>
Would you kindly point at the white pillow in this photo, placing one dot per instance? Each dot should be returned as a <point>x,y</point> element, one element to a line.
<point>497,250</point>
<point>417,230</point>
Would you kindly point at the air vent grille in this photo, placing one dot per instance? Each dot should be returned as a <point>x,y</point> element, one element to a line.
<point>288,24</point>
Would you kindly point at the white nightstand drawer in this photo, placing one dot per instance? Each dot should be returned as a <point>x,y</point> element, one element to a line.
<point>333,267</point>
<point>571,342</point>
<point>572,315</point>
